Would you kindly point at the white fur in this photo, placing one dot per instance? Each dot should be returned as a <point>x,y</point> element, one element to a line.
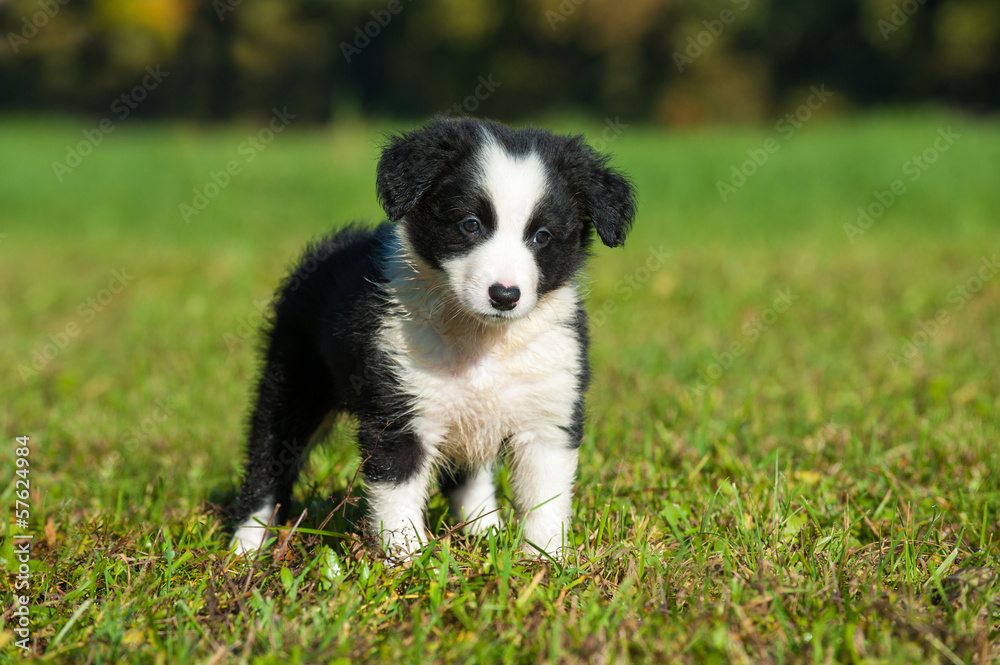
<point>474,385</point>
<point>542,478</point>
<point>253,533</point>
<point>513,185</point>
<point>397,509</point>
<point>476,502</point>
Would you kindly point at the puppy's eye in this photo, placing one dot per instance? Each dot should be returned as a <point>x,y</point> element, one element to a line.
<point>542,238</point>
<point>470,226</point>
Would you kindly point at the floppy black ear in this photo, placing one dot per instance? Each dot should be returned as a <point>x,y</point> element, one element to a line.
<point>411,162</point>
<point>607,195</point>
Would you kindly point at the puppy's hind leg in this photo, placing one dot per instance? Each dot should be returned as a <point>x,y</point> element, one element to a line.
<point>291,412</point>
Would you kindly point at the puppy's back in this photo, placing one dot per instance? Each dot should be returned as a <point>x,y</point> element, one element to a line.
<point>328,299</point>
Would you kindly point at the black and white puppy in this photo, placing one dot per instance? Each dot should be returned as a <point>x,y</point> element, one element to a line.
<point>456,335</point>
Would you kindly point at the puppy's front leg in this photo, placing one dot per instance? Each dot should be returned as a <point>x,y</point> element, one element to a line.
<point>397,514</point>
<point>542,470</point>
<point>397,475</point>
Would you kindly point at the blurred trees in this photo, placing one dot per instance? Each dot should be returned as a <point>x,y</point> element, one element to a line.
<point>668,61</point>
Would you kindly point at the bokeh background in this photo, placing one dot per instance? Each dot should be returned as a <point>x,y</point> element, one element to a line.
<point>793,424</point>
<point>673,63</point>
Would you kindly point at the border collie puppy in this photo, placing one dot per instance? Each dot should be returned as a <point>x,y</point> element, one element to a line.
<point>454,334</point>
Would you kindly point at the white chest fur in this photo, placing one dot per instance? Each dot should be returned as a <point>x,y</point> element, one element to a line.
<point>473,385</point>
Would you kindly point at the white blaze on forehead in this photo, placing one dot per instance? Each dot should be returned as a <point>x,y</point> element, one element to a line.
<point>514,185</point>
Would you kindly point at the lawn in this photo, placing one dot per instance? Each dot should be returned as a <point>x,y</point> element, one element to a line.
<point>791,452</point>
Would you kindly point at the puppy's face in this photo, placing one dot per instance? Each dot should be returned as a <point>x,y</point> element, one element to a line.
<point>505,215</point>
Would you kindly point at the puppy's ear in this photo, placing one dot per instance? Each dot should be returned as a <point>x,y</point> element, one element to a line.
<point>411,162</point>
<point>607,195</point>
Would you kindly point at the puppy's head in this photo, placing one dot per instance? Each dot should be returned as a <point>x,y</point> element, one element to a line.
<point>506,215</point>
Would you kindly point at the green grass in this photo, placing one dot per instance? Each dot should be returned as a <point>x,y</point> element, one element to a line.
<point>814,501</point>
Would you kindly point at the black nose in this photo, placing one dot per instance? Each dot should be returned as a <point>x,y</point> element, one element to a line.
<point>504,297</point>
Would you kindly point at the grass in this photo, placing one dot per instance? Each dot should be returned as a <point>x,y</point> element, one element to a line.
<point>770,474</point>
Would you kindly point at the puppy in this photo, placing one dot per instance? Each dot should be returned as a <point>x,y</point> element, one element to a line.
<point>454,334</point>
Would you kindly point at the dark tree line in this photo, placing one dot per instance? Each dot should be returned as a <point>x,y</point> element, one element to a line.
<point>672,62</point>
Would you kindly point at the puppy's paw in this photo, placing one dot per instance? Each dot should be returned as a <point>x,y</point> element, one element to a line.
<point>402,545</point>
<point>560,552</point>
<point>550,536</point>
<point>249,541</point>
<point>254,533</point>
